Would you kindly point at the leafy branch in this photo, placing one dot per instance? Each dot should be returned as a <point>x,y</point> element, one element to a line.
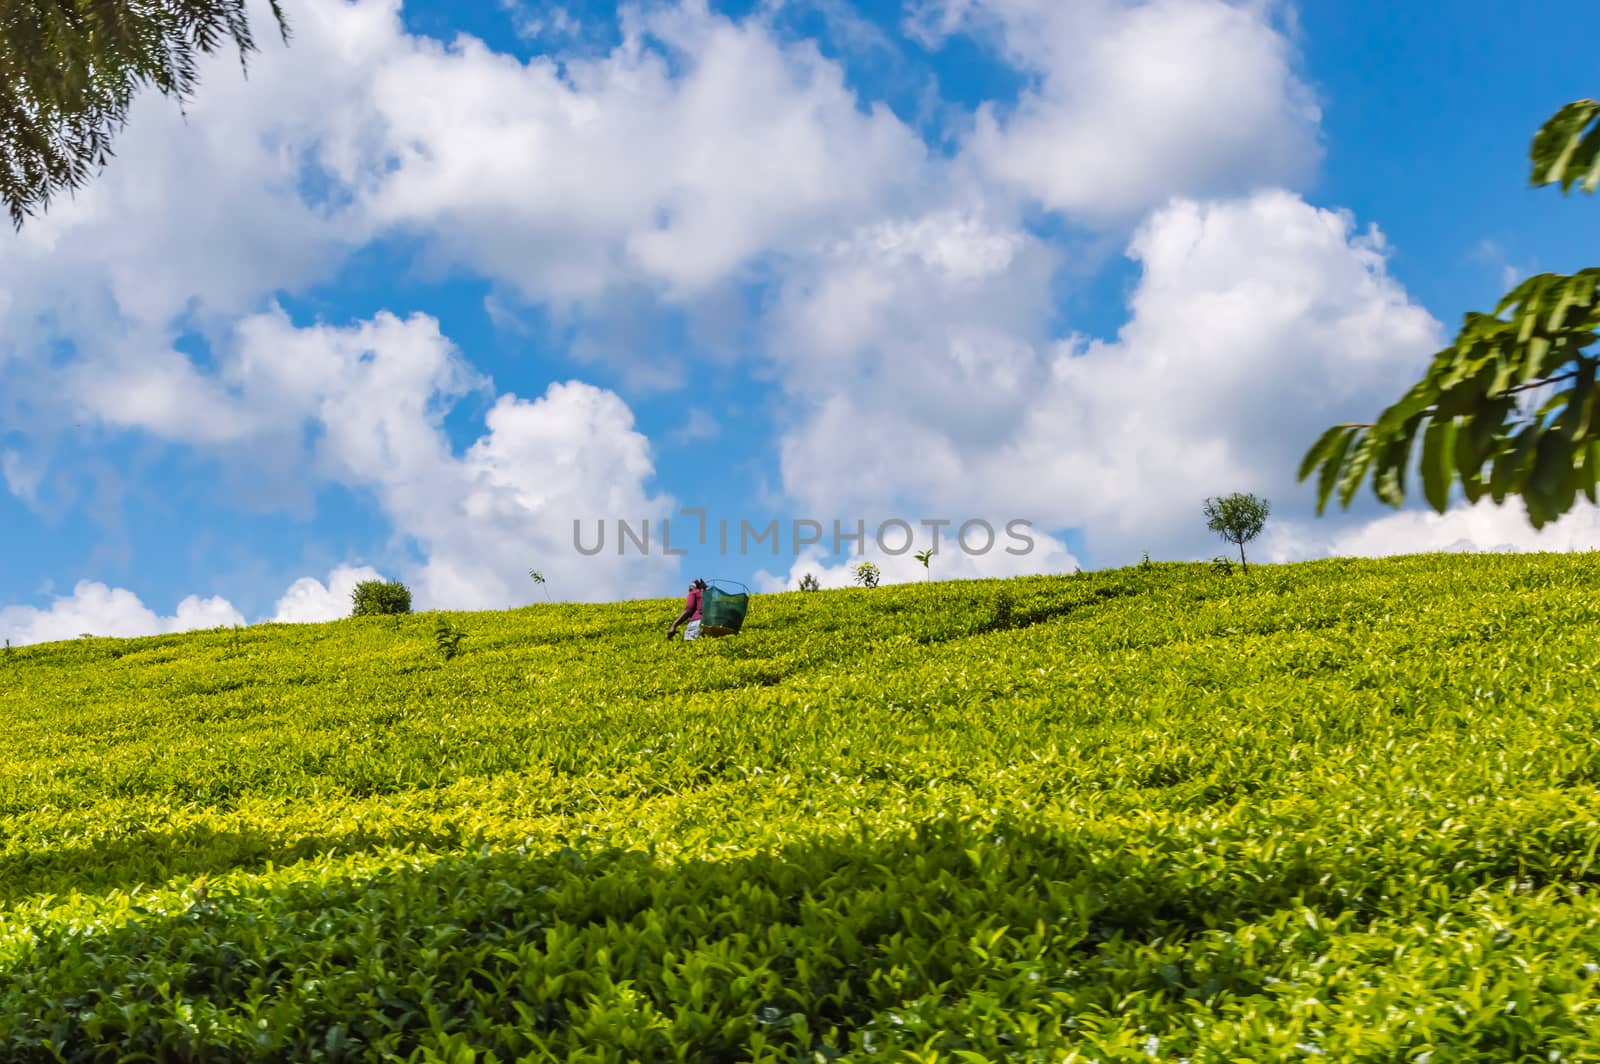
<point>1466,410</point>
<point>1566,150</point>
<point>70,70</point>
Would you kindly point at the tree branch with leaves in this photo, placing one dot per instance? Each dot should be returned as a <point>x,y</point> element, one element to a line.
<point>69,71</point>
<point>1509,408</point>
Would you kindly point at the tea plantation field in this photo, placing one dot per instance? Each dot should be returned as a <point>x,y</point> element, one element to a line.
<point>1339,811</point>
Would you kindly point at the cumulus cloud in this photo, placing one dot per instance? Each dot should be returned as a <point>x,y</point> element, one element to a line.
<point>935,315</point>
<point>95,609</point>
<point>203,210</point>
<point>1255,322</point>
<point>375,394</point>
<point>533,24</point>
<point>696,145</point>
<point>564,180</point>
<point>363,405</point>
<point>513,500</point>
<point>309,600</point>
<point>661,168</point>
<point>1483,527</point>
<point>1136,101</point>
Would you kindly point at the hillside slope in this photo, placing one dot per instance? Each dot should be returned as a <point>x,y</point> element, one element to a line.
<point>1341,808</point>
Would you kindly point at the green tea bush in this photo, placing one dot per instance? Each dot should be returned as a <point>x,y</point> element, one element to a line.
<point>1346,810</point>
<point>373,598</point>
<point>1003,610</point>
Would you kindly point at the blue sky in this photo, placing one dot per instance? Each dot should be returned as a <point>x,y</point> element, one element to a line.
<point>437,280</point>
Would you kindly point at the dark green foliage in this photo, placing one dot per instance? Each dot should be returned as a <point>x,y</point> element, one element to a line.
<point>1237,518</point>
<point>1344,811</point>
<point>1566,151</point>
<point>374,598</point>
<point>1471,410</point>
<point>69,69</point>
<point>810,583</point>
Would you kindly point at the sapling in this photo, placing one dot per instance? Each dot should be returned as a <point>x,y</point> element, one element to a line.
<point>1237,518</point>
<point>448,638</point>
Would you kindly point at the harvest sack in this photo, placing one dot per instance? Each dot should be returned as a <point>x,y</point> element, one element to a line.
<point>722,612</point>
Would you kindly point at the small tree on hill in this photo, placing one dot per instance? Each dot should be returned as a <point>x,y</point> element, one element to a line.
<point>867,574</point>
<point>376,598</point>
<point>810,583</point>
<point>537,577</point>
<point>1237,518</point>
<point>925,556</point>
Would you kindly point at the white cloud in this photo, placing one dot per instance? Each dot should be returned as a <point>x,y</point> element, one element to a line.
<point>1135,102</point>
<point>99,610</point>
<point>570,455</point>
<point>198,218</point>
<point>1255,322</point>
<point>1480,527</point>
<point>371,398</point>
<point>669,164</point>
<point>308,600</point>
<point>200,213</point>
<point>933,316</point>
<point>695,147</point>
<point>566,181</point>
<point>376,393</point>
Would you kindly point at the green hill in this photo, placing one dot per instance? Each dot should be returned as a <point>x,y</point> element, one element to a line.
<point>1342,809</point>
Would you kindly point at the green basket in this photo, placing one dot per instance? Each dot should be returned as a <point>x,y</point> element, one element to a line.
<point>722,612</point>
